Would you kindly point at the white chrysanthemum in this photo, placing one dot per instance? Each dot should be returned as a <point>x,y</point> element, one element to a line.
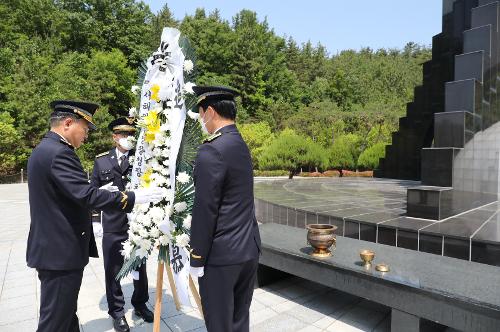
<point>132,112</point>
<point>143,220</point>
<point>144,243</point>
<point>156,214</point>
<point>187,222</point>
<point>182,240</point>
<point>170,104</point>
<point>135,239</point>
<point>142,208</point>
<point>168,209</point>
<point>154,232</point>
<point>144,233</point>
<point>188,87</point>
<point>164,128</point>
<point>157,152</point>
<point>180,207</point>
<point>164,240</point>
<point>135,227</point>
<point>183,177</point>
<point>164,171</point>
<point>193,115</point>
<point>188,66</point>
<point>127,249</point>
<point>135,88</point>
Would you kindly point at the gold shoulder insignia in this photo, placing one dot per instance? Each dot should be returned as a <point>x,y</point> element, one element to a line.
<point>211,138</point>
<point>102,154</point>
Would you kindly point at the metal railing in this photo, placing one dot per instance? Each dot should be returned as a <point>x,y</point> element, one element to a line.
<point>19,177</point>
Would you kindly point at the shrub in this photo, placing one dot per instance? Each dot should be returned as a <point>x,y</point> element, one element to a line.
<point>369,159</point>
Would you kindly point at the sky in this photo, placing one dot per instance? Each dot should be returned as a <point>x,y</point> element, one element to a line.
<point>337,24</point>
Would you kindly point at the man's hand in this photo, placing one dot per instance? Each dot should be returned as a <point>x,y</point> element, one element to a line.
<point>148,195</point>
<point>109,187</point>
<point>197,272</point>
<point>97,228</point>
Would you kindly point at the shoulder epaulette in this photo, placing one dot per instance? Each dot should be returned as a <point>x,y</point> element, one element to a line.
<point>102,154</point>
<point>211,138</point>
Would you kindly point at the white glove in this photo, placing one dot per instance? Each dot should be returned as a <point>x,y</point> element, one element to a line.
<point>148,195</point>
<point>135,275</point>
<point>109,187</point>
<point>97,228</point>
<point>197,272</point>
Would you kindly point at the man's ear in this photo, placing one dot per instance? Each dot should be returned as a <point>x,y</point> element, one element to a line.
<point>68,122</point>
<point>213,113</point>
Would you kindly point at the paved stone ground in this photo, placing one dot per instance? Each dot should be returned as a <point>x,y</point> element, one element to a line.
<point>291,305</point>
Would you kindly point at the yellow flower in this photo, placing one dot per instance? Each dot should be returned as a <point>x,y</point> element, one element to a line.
<point>152,123</point>
<point>146,178</point>
<point>150,136</point>
<point>155,88</point>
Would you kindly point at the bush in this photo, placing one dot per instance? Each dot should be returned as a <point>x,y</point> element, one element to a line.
<point>365,174</point>
<point>311,174</point>
<point>369,159</point>
<point>270,173</point>
<point>331,173</point>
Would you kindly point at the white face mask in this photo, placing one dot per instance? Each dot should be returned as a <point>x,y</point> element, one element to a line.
<point>126,143</point>
<point>203,125</point>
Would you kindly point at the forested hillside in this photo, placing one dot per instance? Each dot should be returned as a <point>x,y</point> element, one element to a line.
<point>328,111</point>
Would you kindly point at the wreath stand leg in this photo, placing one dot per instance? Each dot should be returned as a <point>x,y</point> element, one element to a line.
<point>196,295</point>
<point>172,286</point>
<point>159,294</point>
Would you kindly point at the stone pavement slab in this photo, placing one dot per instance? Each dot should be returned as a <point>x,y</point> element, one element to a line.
<point>289,305</point>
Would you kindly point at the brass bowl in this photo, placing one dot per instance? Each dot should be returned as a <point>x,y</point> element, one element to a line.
<point>321,237</point>
<point>382,267</point>
<point>367,256</point>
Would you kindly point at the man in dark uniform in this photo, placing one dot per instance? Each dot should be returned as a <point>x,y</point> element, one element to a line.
<point>225,238</point>
<point>114,167</point>
<point>60,238</point>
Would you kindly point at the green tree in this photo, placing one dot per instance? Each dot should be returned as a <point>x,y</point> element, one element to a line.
<point>257,136</point>
<point>10,154</point>
<point>290,152</point>
<point>344,153</point>
<point>369,159</point>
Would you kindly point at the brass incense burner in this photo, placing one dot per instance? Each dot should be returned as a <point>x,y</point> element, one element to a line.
<point>321,237</point>
<point>367,257</point>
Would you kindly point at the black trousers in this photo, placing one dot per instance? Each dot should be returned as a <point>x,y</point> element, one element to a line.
<point>113,261</point>
<point>58,300</point>
<point>226,294</point>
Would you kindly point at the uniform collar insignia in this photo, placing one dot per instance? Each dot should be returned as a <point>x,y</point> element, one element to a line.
<point>212,137</point>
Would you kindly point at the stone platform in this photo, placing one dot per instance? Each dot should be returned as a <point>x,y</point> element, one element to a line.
<point>374,210</point>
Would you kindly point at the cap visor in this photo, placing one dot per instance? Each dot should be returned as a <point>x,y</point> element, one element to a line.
<point>91,125</point>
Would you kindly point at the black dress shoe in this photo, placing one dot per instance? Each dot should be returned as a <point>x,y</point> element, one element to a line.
<point>145,314</point>
<point>121,325</point>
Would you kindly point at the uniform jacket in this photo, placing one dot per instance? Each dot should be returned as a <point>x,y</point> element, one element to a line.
<point>61,198</point>
<point>106,170</point>
<point>224,229</point>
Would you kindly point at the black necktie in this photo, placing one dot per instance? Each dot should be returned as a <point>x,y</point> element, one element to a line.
<point>124,163</point>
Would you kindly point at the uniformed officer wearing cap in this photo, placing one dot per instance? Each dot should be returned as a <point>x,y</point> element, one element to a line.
<point>225,240</point>
<point>113,167</point>
<point>60,238</point>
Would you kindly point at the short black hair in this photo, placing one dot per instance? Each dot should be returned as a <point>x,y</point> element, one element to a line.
<point>225,108</point>
<point>56,118</point>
